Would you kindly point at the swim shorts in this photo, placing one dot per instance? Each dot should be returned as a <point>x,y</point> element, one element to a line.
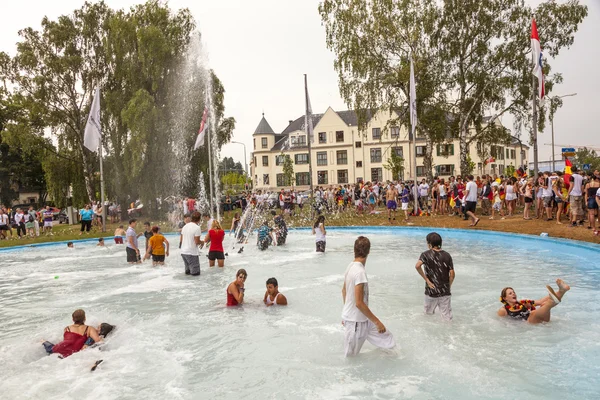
<point>470,206</point>
<point>132,255</point>
<point>157,258</point>
<point>404,206</point>
<point>118,240</point>
<point>216,255</point>
<point>391,205</point>
<point>576,205</point>
<point>321,246</point>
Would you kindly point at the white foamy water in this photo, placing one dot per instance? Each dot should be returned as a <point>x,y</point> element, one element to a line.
<point>175,338</point>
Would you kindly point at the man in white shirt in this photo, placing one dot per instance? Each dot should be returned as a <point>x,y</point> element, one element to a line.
<point>424,195</point>
<point>359,322</point>
<point>576,197</point>
<point>4,224</point>
<point>190,240</point>
<point>471,201</point>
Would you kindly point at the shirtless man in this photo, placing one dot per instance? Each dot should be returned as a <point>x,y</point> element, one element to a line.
<point>119,235</point>
<point>390,197</point>
<point>272,295</point>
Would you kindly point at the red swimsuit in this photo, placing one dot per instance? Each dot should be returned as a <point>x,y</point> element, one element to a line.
<point>72,343</point>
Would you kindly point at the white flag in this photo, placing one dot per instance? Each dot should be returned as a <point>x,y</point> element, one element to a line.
<point>202,131</point>
<point>93,133</point>
<point>413,96</point>
<point>308,124</point>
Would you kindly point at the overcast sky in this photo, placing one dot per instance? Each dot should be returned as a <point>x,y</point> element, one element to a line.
<point>261,49</point>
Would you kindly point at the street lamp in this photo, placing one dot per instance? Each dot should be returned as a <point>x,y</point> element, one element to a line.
<point>552,122</point>
<point>245,160</point>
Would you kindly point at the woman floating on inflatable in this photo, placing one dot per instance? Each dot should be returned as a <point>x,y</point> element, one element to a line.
<point>532,311</point>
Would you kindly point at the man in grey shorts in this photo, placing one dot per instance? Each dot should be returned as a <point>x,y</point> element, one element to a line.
<point>190,240</point>
<point>438,276</point>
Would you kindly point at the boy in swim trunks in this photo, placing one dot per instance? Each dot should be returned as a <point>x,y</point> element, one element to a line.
<point>391,196</point>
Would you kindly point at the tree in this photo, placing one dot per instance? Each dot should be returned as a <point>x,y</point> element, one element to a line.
<point>585,156</point>
<point>373,42</point>
<point>288,170</point>
<point>485,48</point>
<point>395,164</point>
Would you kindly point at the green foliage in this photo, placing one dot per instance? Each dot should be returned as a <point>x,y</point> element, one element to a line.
<point>510,170</point>
<point>152,98</point>
<point>288,170</point>
<point>233,179</point>
<point>587,156</point>
<point>472,59</point>
<point>395,164</point>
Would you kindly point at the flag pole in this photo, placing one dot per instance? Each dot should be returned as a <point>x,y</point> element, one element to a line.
<point>210,166</point>
<point>309,139</point>
<point>534,123</point>
<point>102,189</point>
<point>413,123</point>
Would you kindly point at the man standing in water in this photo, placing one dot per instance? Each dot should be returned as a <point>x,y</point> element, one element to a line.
<point>190,240</point>
<point>359,322</point>
<point>438,276</point>
<point>133,251</point>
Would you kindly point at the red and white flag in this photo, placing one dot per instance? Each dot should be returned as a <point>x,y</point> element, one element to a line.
<point>537,59</point>
<point>202,131</point>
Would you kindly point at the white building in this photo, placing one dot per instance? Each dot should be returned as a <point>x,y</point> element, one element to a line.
<point>343,155</point>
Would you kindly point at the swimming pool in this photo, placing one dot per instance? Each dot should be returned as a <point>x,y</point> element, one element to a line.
<point>176,339</point>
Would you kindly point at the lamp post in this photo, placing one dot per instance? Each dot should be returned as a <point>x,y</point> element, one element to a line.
<point>553,98</point>
<point>245,160</point>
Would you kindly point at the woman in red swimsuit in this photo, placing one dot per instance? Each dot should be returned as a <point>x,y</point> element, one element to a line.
<point>75,336</point>
<point>235,290</point>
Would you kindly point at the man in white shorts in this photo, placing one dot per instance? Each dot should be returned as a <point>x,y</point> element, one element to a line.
<point>359,322</point>
<point>438,276</point>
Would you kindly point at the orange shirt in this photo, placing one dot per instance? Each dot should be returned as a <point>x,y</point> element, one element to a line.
<point>156,244</point>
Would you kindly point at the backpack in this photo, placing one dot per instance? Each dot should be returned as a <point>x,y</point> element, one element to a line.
<point>31,219</point>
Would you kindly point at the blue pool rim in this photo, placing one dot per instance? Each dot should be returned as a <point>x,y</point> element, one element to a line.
<point>369,229</point>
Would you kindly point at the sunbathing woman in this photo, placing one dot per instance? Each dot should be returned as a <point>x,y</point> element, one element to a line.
<point>532,311</point>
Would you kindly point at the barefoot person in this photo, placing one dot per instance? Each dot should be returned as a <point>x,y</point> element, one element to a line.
<point>272,295</point>
<point>359,322</point>
<point>438,276</point>
<point>119,235</point>
<point>235,290</point>
<point>471,201</point>
<point>189,242</point>
<point>132,249</point>
<point>74,337</point>
<point>526,309</point>
<point>391,195</point>
<point>320,234</point>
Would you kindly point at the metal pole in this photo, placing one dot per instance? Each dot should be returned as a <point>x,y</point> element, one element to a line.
<point>552,123</point>
<point>534,123</point>
<point>210,167</point>
<point>308,139</point>
<point>414,157</point>
<point>102,191</point>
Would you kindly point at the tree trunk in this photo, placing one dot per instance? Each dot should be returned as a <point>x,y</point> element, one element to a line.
<point>428,158</point>
<point>87,176</point>
<point>464,148</point>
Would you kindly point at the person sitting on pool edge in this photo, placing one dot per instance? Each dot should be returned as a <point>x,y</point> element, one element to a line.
<point>272,295</point>
<point>526,309</point>
<point>74,337</point>
<point>235,290</point>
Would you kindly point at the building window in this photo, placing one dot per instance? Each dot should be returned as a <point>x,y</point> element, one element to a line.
<point>447,169</point>
<point>254,140</point>
<point>376,174</point>
<point>501,169</point>
<point>264,142</point>
<point>302,178</point>
<point>342,176</point>
<point>265,179</point>
<point>322,158</point>
<point>322,177</point>
<point>507,153</point>
<point>279,160</point>
<point>420,171</point>
<point>359,164</point>
<point>376,155</point>
<point>255,163</point>
<point>395,132</point>
<point>376,133</point>
<point>513,154</point>
<point>421,151</point>
<point>339,136</point>
<point>322,137</point>
<point>398,151</point>
<point>265,161</point>
<point>445,150</point>
<point>342,157</point>
<point>301,158</point>
<point>358,145</point>
<point>282,181</point>
<point>299,141</point>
